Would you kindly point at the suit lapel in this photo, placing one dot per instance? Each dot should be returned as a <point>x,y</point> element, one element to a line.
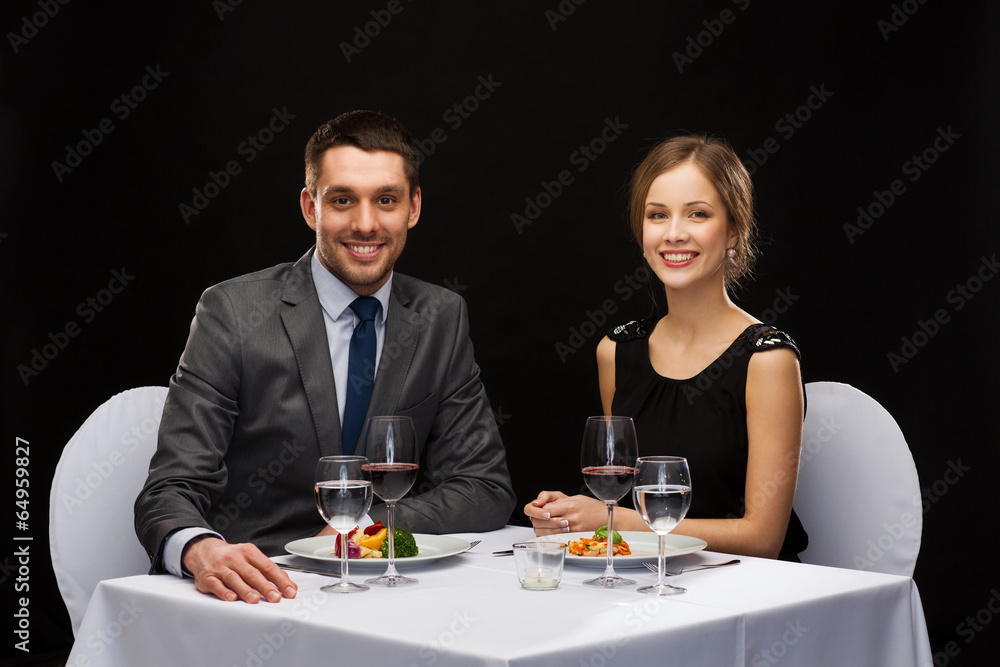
<point>402,329</point>
<point>303,320</point>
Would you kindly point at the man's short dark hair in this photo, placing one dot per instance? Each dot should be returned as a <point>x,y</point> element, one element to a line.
<point>369,131</point>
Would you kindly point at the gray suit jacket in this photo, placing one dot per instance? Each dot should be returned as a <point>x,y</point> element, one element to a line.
<point>253,405</point>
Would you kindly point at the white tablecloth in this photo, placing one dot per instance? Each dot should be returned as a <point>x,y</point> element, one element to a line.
<point>470,610</point>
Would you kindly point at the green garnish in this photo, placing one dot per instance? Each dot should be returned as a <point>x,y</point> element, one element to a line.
<point>602,533</point>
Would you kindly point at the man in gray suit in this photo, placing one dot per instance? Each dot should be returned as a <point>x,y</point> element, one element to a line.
<point>260,391</point>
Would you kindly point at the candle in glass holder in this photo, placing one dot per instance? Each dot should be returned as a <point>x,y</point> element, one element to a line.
<point>538,577</point>
<point>539,564</point>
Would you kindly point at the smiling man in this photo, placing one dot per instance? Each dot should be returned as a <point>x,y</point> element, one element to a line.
<point>280,368</point>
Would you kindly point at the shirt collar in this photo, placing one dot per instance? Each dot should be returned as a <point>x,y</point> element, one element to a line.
<point>335,297</point>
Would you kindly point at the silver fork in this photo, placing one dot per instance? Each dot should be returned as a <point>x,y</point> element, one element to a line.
<point>473,543</point>
<point>678,570</point>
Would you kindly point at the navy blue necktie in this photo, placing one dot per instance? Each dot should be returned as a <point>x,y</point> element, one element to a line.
<point>360,371</point>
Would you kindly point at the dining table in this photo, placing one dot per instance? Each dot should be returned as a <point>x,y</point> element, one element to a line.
<point>470,609</point>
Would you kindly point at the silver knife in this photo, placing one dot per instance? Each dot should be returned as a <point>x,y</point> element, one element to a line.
<point>299,568</point>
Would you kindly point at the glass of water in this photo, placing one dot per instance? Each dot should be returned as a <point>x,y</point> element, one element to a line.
<point>662,496</point>
<point>343,496</point>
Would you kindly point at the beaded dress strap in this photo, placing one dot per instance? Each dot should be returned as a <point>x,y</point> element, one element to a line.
<point>759,337</point>
<point>629,331</point>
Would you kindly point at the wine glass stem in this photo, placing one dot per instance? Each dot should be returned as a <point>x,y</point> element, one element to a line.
<point>609,570</point>
<point>343,559</point>
<point>391,570</point>
<point>661,562</point>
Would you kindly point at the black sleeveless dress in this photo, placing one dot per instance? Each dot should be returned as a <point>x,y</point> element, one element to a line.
<point>703,418</point>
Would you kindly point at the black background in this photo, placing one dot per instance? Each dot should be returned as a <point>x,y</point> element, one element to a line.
<point>556,84</point>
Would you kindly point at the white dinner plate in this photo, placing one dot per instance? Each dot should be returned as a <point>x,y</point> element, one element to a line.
<point>643,545</point>
<point>429,547</point>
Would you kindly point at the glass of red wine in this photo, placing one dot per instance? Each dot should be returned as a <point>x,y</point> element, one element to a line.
<point>608,456</point>
<point>343,496</point>
<point>391,449</point>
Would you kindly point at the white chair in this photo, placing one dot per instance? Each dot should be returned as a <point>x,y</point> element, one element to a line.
<point>858,495</point>
<point>100,473</point>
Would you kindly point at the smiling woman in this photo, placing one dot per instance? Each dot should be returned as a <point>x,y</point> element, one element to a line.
<point>679,234</point>
<point>711,168</point>
<point>691,379</point>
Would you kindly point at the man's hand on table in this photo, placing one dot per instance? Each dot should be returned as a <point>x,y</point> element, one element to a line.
<point>236,571</point>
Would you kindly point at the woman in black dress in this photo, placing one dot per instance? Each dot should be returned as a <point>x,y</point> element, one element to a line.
<point>707,380</point>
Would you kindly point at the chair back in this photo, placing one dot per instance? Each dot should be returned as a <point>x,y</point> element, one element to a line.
<point>100,473</point>
<point>858,495</point>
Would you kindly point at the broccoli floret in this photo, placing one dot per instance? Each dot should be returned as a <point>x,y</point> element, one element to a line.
<point>404,543</point>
